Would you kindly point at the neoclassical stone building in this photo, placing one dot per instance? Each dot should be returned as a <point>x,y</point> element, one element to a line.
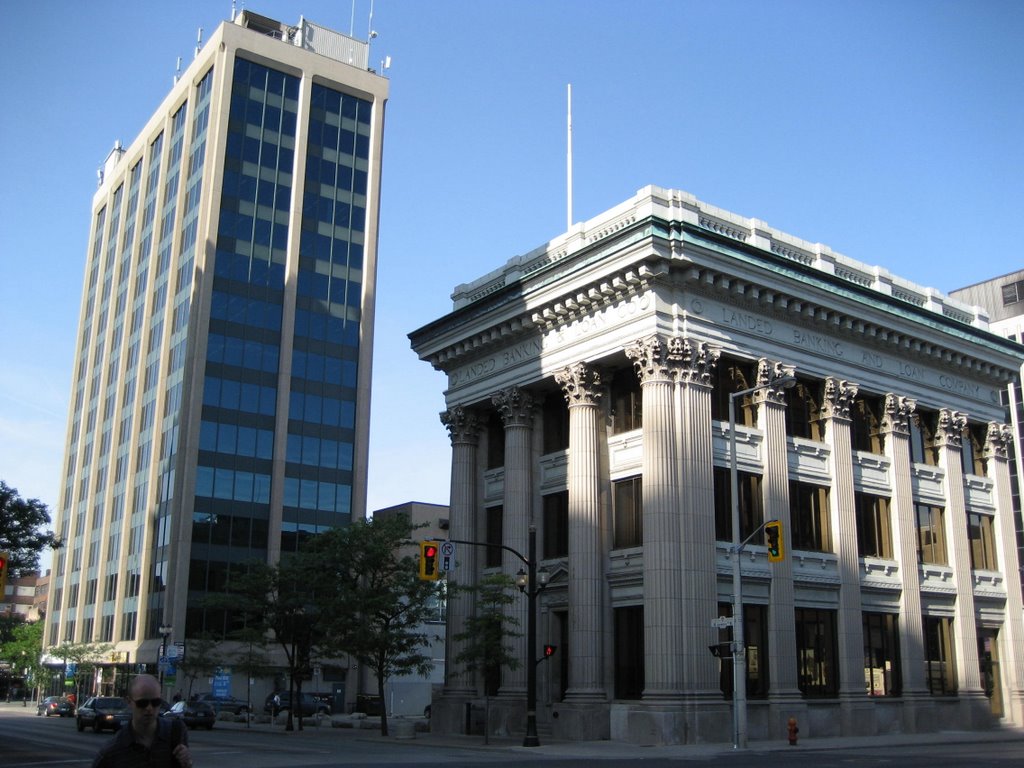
<point>588,392</point>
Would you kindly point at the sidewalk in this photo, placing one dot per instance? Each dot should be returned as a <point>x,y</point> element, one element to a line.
<point>368,730</point>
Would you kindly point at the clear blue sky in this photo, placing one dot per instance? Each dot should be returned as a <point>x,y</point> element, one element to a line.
<point>890,130</point>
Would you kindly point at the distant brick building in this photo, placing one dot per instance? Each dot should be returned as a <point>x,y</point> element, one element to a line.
<point>26,596</point>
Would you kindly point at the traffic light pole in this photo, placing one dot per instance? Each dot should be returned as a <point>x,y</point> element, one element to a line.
<point>530,586</point>
<point>532,590</point>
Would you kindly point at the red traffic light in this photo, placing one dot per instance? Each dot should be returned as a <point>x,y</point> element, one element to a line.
<point>549,650</point>
<point>5,560</point>
<point>429,556</point>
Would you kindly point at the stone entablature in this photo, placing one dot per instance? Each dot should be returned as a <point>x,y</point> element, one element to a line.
<point>676,205</point>
<point>658,269</point>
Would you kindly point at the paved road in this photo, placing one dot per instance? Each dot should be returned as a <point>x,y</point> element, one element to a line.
<point>27,741</point>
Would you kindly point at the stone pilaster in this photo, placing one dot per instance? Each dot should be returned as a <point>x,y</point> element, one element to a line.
<point>903,514</point>
<point>948,439</point>
<point>784,692</point>
<point>583,713</point>
<point>1011,635</point>
<point>839,396</point>
<point>663,631</point>
<point>581,386</point>
<point>697,502</point>
<point>517,409</point>
<point>464,430</point>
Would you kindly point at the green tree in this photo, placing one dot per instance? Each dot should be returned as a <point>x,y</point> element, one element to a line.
<point>378,607</point>
<point>86,657</point>
<point>250,657</point>
<point>484,637</point>
<point>281,602</point>
<point>21,647</point>
<point>21,530</point>
<point>201,659</point>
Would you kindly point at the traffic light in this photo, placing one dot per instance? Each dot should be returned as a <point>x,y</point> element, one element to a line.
<point>721,650</point>
<point>549,651</point>
<point>773,538</point>
<point>430,552</point>
<point>5,559</point>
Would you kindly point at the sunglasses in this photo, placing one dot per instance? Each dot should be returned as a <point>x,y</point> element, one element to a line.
<point>143,703</point>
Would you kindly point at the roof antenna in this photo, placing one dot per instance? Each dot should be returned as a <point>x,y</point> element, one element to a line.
<point>370,34</point>
<point>568,160</point>
<point>232,11</point>
<point>177,70</point>
<point>199,41</point>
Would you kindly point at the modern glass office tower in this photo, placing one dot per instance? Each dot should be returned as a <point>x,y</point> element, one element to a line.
<point>220,396</point>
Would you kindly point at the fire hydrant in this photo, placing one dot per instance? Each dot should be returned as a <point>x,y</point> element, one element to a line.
<point>793,731</point>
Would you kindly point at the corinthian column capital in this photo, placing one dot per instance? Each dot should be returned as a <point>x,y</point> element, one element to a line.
<point>770,374</point>
<point>897,413</point>
<point>580,383</point>
<point>838,398</point>
<point>697,359</point>
<point>653,359</point>
<point>514,406</point>
<point>997,440</point>
<point>950,428</point>
<point>462,423</point>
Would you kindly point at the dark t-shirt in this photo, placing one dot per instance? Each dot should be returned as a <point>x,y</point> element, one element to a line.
<point>123,751</point>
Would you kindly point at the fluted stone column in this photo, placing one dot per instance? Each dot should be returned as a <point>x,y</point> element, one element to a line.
<point>663,631</point>
<point>581,386</point>
<point>903,514</point>
<point>1011,634</point>
<point>839,396</point>
<point>784,692</point>
<point>697,502</point>
<point>516,408</point>
<point>948,439</point>
<point>464,430</point>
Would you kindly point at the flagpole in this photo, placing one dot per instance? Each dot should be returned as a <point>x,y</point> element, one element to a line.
<point>568,161</point>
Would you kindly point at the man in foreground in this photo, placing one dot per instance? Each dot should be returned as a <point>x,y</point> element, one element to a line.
<point>148,740</point>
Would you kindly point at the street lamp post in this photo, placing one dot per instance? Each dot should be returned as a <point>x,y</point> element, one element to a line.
<point>739,650</point>
<point>532,584</point>
<point>165,632</point>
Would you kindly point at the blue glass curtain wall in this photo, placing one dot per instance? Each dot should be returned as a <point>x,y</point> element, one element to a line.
<point>322,402</point>
<point>232,495</point>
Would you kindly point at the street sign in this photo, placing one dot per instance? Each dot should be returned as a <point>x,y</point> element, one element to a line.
<point>447,556</point>
<point>722,622</point>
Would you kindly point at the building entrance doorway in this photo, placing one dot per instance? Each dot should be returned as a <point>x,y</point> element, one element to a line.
<point>988,652</point>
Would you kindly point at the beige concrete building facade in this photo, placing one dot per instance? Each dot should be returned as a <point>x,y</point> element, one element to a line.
<point>220,396</point>
<point>588,390</point>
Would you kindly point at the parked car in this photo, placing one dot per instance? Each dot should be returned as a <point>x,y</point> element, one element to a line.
<point>195,714</point>
<point>222,703</point>
<point>103,712</point>
<point>55,705</point>
<point>309,705</point>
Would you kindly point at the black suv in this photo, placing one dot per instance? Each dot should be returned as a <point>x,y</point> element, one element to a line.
<point>103,712</point>
<point>309,705</point>
<point>222,703</point>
